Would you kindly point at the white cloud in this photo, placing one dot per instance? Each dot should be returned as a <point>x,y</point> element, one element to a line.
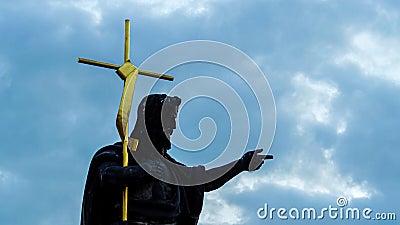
<point>317,177</point>
<point>312,99</point>
<point>219,211</point>
<point>309,166</point>
<point>160,8</point>
<point>151,8</point>
<point>3,177</point>
<point>341,128</point>
<point>376,55</point>
<point>92,7</point>
<point>389,14</point>
<point>8,181</point>
<point>310,102</point>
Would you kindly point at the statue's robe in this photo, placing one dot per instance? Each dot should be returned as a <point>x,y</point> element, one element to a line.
<point>149,199</point>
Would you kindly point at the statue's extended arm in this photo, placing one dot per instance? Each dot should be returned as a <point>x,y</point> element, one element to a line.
<point>219,182</point>
<point>250,161</point>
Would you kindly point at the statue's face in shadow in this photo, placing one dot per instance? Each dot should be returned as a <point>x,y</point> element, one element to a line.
<point>156,120</point>
<point>168,119</point>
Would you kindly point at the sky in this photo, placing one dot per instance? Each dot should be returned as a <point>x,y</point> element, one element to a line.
<point>332,67</point>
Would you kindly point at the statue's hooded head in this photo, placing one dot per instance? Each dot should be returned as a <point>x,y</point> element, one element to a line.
<point>156,119</point>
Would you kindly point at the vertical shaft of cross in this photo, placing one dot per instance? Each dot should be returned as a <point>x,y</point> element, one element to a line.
<point>127,40</point>
<point>126,136</point>
<point>128,73</point>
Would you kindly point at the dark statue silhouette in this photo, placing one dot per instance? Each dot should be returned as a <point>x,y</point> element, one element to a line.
<point>151,198</point>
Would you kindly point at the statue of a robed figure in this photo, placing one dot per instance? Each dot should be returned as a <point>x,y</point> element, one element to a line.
<point>151,200</point>
<point>161,189</point>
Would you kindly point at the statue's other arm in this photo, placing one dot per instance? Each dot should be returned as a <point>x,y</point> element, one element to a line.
<point>112,174</point>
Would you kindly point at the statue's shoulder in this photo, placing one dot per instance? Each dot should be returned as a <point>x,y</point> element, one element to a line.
<point>169,158</point>
<point>108,153</point>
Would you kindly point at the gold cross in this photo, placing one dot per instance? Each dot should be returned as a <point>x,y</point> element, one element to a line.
<point>128,73</point>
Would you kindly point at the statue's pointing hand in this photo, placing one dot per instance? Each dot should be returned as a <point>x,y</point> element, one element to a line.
<point>252,160</point>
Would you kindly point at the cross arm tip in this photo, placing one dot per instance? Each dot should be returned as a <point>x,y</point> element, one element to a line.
<point>156,75</point>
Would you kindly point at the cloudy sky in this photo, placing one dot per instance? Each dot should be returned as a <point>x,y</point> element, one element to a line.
<point>332,67</point>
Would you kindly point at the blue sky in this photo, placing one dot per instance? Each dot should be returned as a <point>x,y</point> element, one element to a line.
<point>332,67</point>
